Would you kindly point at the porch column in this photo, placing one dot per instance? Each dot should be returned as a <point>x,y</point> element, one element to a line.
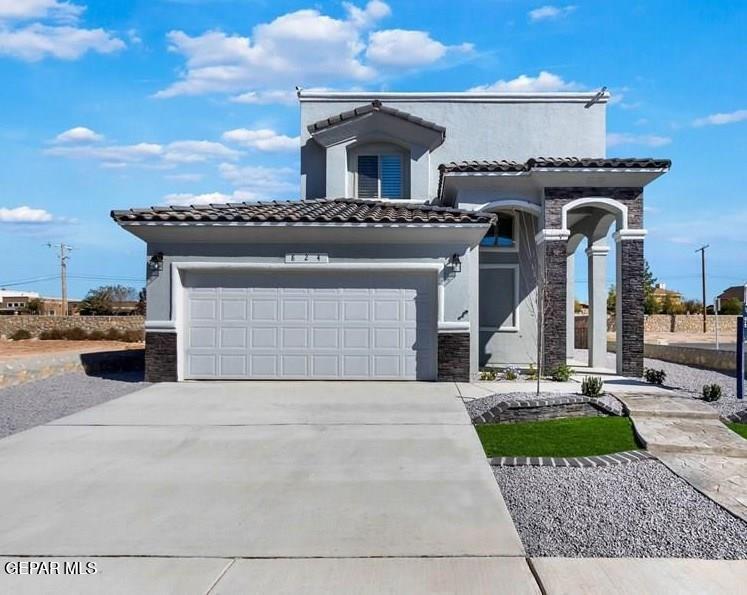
<point>570,301</point>
<point>597,255</point>
<point>629,315</point>
<point>552,249</point>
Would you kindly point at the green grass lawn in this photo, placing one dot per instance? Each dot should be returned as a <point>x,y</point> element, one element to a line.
<point>576,437</point>
<point>740,429</point>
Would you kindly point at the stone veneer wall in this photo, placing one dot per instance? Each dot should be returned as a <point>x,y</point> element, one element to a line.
<point>668,323</point>
<point>36,324</point>
<point>453,357</point>
<point>631,258</point>
<point>554,304</point>
<point>160,357</point>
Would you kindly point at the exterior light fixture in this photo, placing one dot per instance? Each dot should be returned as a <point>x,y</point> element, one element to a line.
<point>455,263</point>
<point>155,263</point>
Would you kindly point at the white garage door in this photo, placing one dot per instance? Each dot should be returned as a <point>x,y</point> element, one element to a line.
<point>321,325</point>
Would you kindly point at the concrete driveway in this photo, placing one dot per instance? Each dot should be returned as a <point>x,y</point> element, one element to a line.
<point>261,487</point>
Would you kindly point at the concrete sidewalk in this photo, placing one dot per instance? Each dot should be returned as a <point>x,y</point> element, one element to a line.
<point>326,485</point>
<point>688,437</point>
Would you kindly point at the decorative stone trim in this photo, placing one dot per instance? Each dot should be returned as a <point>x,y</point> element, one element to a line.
<point>453,356</point>
<point>541,409</point>
<point>618,458</point>
<point>160,357</point>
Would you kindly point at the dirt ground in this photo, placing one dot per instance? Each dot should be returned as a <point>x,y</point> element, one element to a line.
<point>34,347</point>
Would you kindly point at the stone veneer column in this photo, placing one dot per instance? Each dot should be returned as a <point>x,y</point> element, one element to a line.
<point>160,357</point>
<point>554,259</point>
<point>597,255</point>
<point>630,314</point>
<point>453,356</point>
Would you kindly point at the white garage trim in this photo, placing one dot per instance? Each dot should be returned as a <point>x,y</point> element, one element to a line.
<point>178,291</point>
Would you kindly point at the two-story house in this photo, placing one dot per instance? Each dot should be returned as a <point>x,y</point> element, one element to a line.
<point>435,234</point>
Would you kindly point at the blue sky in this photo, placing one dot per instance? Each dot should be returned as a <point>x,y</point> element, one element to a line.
<point>120,104</point>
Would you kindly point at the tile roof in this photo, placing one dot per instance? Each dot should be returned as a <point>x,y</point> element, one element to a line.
<point>337,210</point>
<point>374,106</point>
<point>564,162</point>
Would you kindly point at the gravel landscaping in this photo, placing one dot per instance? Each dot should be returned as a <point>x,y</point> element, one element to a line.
<point>637,510</point>
<point>34,403</point>
<point>691,380</point>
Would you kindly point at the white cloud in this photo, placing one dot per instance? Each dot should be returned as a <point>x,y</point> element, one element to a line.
<point>207,198</point>
<point>722,118</point>
<point>79,134</point>
<point>261,181</point>
<point>403,48</point>
<point>38,41</point>
<point>62,39</point>
<point>110,155</point>
<point>547,13</point>
<point>151,154</point>
<point>263,139</point>
<point>192,151</point>
<point>615,139</point>
<point>366,17</point>
<point>304,47</point>
<point>185,177</point>
<point>544,82</point>
<point>24,214</point>
<point>33,9</point>
<point>266,97</point>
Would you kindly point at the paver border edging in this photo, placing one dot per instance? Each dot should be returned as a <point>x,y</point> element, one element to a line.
<point>617,458</point>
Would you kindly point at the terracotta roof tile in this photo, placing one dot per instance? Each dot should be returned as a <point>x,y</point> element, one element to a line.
<point>374,106</point>
<point>566,162</point>
<point>340,210</point>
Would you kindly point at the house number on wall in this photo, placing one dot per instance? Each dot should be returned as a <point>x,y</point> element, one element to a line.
<point>306,258</point>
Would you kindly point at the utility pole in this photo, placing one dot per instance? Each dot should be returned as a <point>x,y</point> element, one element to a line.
<point>63,250</point>
<point>702,250</point>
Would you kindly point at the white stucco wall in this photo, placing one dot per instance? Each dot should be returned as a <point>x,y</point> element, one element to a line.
<point>496,127</point>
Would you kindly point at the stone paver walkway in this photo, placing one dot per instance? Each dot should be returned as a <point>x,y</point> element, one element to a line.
<point>687,436</point>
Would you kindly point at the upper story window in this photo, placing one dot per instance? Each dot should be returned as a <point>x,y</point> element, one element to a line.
<point>379,176</point>
<point>501,234</point>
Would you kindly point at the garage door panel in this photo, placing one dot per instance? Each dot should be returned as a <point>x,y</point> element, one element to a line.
<point>355,326</point>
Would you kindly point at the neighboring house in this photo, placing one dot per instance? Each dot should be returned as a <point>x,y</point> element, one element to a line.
<point>662,294</point>
<point>735,292</point>
<point>429,227</point>
<point>14,302</point>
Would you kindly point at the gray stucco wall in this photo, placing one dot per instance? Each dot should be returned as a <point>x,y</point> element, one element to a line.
<point>515,347</point>
<point>482,129</point>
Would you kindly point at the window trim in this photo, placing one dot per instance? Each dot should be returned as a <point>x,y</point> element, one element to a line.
<point>517,304</point>
<point>505,249</point>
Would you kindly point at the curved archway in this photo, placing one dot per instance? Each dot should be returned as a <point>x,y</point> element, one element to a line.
<point>512,204</point>
<point>610,205</point>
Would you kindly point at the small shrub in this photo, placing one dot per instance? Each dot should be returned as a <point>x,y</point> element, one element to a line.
<point>487,374</point>
<point>132,336</point>
<point>654,376</point>
<point>75,334</point>
<point>53,334</point>
<point>592,386</point>
<point>96,335</point>
<point>532,372</point>
<point>711,392</point>
<point>113,334</point>
<point>561,373</point>
<point>511,373</point>
<point>20,335</point>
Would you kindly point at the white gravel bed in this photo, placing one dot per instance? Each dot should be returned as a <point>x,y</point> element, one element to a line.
<point>41,401</point>
<point>691,380</point>
<point>639,510</point>
<point>479,406</point>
